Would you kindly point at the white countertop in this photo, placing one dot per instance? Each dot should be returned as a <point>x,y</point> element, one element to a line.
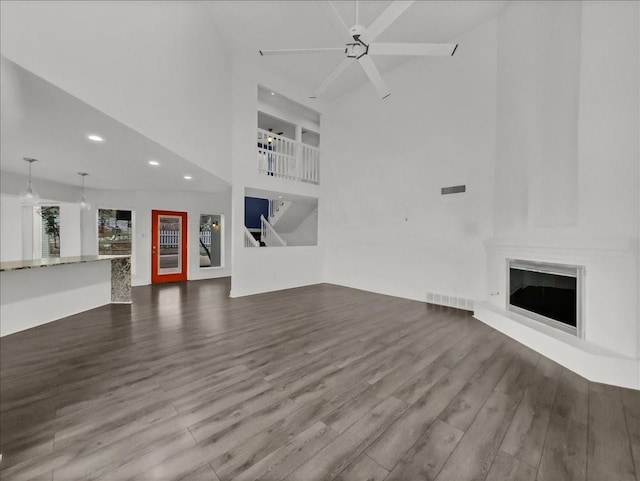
<point>55,261</point>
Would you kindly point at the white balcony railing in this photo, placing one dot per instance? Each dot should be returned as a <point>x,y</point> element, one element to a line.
<point>282,157</point>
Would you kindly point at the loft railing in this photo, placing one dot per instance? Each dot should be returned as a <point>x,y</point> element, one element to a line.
<point>282,157</point>
<point>310,164</point>
<point>269,236</point>
<point>249,240</point>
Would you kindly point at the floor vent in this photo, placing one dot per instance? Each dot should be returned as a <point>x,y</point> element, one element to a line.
<point>451,301</point>
<point>456,189</point>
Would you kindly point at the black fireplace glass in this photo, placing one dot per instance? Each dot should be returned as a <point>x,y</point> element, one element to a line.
<point>549,295</point>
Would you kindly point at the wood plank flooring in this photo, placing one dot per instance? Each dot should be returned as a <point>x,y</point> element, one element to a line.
<point>316,383</point>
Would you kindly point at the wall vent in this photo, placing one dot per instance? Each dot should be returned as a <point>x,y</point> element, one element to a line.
<point>455,189</point>
<point>450,301</point>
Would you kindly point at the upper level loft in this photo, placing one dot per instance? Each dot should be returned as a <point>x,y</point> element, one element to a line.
<point>288,139</point>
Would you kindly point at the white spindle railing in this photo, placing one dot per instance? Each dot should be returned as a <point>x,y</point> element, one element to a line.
<point>269,236</point>
<point>310,168</point>
<point>286,158</point>
<point>249,240</point>
<point>274,206</point>
<point>277,208</point>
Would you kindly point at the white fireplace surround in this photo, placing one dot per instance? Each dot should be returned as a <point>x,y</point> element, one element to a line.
<point>576,272</point>
<point>608,349</point>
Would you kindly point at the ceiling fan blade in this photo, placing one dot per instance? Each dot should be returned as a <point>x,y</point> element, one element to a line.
<point>332,76</point>
<point>385,19</point>
<point>329,10</point>
<point>289,51</point>
<point>434,49</point>
<point>376,79</point>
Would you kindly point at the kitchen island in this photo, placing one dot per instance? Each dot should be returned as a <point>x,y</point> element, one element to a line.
<point>35,292</point>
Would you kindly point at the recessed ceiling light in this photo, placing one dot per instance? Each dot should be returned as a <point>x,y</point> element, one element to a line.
<point>154,162</point>
<point>95,138</point>
<point>273,93</point>
<point>187,177</point>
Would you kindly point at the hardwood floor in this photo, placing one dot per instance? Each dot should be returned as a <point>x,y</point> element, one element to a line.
<point>315,383</point>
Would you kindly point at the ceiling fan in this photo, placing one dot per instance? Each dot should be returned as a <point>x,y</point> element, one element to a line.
<point>360,45</point>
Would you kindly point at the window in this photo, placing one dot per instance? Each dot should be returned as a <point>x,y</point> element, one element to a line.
<point>114,232</point>
<point>210,240</point>
<point>49,232</point>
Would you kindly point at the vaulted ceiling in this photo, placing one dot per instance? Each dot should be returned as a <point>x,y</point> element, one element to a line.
<point>248,26</point>
<point>42,121</point>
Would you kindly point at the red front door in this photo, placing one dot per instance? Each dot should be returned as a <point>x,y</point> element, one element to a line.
<point>168,246</point>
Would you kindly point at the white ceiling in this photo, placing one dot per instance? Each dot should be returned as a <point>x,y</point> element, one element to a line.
<point>40,120</point>
<point>248,26</point>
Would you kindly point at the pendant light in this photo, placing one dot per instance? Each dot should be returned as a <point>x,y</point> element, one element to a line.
<point>84,205</point>
<point>29,197</point>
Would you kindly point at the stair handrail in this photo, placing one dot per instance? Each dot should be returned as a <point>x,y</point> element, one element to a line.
<point>269,235</point>
<point>249,240</point>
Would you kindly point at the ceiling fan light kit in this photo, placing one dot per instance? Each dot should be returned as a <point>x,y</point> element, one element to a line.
<point>360,45</point>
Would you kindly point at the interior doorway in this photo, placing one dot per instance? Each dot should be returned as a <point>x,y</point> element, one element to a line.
<point>168,246</point>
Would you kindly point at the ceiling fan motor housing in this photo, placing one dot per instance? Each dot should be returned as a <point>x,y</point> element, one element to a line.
<point>356,31</point>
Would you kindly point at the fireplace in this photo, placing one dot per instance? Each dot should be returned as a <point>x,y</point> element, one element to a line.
<point>547,293</point>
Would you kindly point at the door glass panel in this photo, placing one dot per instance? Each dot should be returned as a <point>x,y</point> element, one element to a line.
<point>169,244</point>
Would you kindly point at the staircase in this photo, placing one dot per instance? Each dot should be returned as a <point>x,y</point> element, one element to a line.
<point>268,234</point>
<point>277,208</point>
<point>265,237</point>
<point>279,223</point>
<point>249,239</point>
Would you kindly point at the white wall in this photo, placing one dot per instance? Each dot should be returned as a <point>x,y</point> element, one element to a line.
<point>306,234</point>
<point>567,155</point>
<point>16,221</point>
<point>261,270</point>
<point>537,130</point>
<point>387,228</point>
<point>265,269</point>
<point>70,225</point>
<point>283,108</point>
<point>79,229</point>
<point>142,203</point>
<point>161,68</point>
<point>10,228</point>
